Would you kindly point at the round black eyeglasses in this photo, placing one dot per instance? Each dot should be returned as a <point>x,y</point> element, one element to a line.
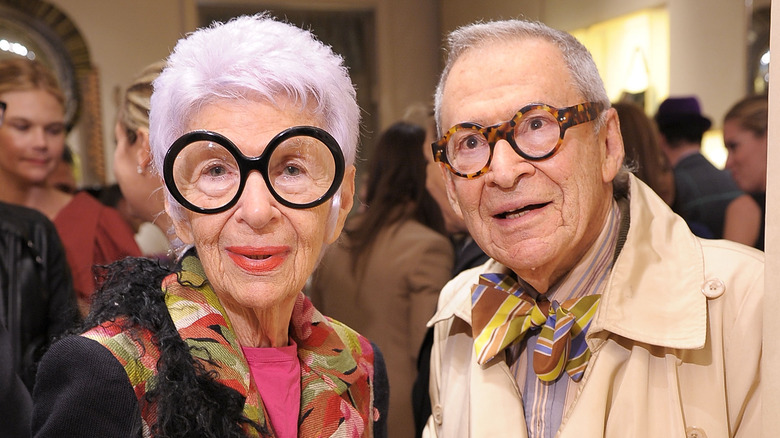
<point>205,172</point>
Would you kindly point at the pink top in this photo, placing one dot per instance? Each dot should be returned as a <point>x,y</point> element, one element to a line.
<point>277,374</point>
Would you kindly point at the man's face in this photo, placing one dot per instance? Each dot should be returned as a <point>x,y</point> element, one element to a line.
<point>538,218</point>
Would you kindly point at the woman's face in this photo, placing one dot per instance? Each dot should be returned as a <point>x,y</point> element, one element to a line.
<point>259,253</point>
<point>141,190</point>
<point>32,136</point>
<point>747,157</point>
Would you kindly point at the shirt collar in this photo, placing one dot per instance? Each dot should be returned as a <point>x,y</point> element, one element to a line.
<point>639,300</point>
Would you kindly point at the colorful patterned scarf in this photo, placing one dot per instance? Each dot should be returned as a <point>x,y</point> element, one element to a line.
<point>502,313</point>
<point>336,363</point>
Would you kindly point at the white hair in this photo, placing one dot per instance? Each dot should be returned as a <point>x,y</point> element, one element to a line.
<point>259,58</point>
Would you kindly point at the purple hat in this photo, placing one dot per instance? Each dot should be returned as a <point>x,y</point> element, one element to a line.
<point>676,111</point>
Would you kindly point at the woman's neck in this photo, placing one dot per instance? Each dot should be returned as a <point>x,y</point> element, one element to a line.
<point>261,327</point>
<point>45,199</point>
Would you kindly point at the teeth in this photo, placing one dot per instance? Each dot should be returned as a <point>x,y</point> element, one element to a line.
<point>258,257</point>
<point>515,215</point>
<point>519,212</point>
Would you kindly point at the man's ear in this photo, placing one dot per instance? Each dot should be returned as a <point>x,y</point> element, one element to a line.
<point>449,184</point>
<point>614,153</point>
<point>347,194</point>
<point>181,225</point>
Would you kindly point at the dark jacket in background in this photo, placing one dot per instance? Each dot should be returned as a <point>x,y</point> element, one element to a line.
<point>37,301</point>
<point>702,194</point>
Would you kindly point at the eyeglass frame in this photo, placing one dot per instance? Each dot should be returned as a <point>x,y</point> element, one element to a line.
<point>3,107</point>
<point>247,164</point>
<point>566,118</point>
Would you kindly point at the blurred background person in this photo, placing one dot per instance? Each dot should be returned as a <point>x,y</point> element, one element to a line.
<point>745,137</point>
<point>383,278</point>
<point>64,175</point>
<point>140,184</point>
<point>32,139</point>
<point>643,153</point>
<point>36,305</point>
<point>467,255</point>
<point>704,194</point>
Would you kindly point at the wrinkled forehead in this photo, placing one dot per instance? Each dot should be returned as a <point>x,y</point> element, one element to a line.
<point>491,81</point>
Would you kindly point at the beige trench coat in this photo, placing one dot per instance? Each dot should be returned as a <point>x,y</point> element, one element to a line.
<point>676,344</point>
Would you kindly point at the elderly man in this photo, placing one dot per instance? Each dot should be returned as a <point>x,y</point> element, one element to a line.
<point>600,313</point>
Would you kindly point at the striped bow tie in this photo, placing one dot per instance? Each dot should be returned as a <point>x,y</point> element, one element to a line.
<point>501,313</point>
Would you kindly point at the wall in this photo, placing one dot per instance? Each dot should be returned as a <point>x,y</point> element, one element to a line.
<point>123,37</point>
<point>770,378</point>
<point>707,55</point>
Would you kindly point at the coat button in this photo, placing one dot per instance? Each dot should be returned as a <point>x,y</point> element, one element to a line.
<point>695,432</point>
<point>437,414</point>
<point>713,288</point>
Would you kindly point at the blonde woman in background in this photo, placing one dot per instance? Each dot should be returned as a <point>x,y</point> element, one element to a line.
<point>141,186</point>
<point>32,140</point>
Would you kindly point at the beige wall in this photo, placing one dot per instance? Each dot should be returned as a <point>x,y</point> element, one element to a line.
<point>125,35</point>
<point>771,377</point>
<point>707,56</point>
<point>122,38</point>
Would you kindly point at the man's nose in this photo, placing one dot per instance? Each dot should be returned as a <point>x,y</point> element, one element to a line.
<point>507,165</point>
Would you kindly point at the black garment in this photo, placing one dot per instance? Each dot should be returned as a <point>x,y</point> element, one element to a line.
<point>74,388</point>
<point>15,402</point>
<point>467,255</point>
<point>760,198</point>
<point>702,193</point>
<point>37,302</point>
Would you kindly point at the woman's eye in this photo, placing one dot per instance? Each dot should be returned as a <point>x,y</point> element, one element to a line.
<point>292,170</point>
<point>55,130</point>
<point>216,171</point>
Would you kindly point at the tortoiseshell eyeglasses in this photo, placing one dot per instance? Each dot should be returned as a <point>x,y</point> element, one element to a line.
<point>535,133</point>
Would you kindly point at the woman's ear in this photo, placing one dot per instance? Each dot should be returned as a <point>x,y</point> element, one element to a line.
<point>181,225</point>
<point>347,194</point>
<point>143,153</point>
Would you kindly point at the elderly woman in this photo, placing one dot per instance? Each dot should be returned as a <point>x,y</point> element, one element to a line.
<point>254,126</point>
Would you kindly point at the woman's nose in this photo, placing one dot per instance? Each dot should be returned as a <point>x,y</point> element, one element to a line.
<point>729,161</point>
<point>257,206</point>
<point>39,138</point>
<point>506,166</point>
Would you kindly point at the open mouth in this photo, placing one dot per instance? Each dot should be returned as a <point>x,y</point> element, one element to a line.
<point>257,257</point>
<point>513,214</point>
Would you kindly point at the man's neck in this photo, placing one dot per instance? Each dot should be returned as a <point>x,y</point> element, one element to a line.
<point>683,150</point>
<point>543,279</point>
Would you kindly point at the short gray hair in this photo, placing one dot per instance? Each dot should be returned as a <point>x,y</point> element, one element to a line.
<point>577,58</point>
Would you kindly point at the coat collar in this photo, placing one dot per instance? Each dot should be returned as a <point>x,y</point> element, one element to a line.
<point>642,301</point>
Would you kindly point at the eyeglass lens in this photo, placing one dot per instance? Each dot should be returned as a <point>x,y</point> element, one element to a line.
<point>300,170</point>
<point>536,133</point>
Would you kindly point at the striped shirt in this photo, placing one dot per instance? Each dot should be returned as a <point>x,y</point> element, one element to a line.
<point>545,402</point>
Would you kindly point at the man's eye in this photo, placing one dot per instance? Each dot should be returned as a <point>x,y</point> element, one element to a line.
<point>472,142</point>
<point>536,124</point>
